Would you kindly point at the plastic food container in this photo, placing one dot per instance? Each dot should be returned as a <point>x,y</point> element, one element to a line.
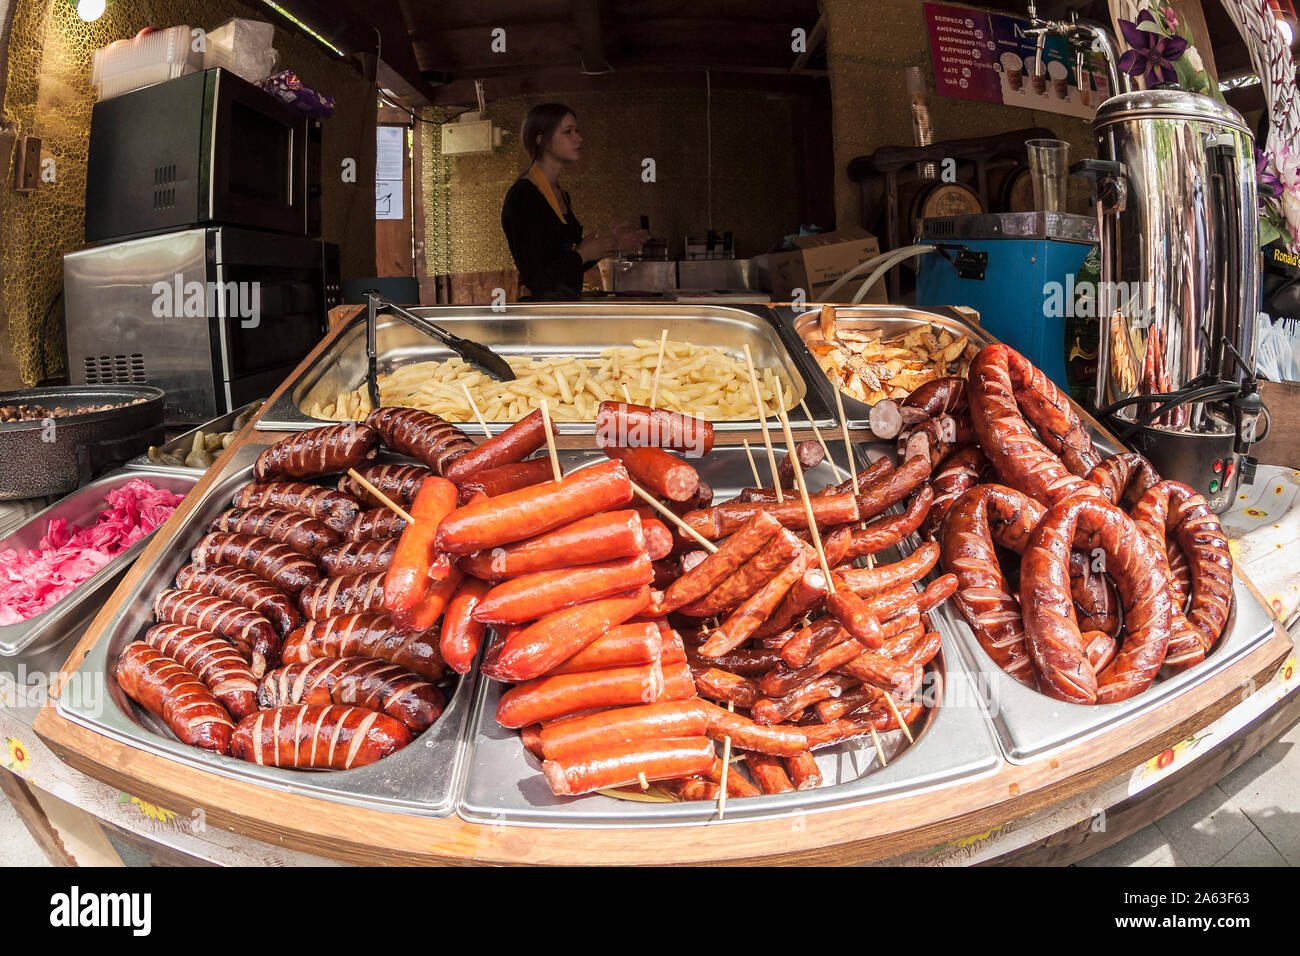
<point>156,57</point>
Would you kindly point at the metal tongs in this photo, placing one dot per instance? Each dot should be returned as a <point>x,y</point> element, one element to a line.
<point>477,355</point>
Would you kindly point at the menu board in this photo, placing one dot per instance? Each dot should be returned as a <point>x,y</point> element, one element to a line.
<point>986,56</point>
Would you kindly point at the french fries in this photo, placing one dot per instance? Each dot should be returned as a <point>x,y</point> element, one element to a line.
<point>866,366</point>
<point>695,379</point>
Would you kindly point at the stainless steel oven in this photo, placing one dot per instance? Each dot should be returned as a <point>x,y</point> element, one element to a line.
<point>203,149</point>
<point>214,317</point>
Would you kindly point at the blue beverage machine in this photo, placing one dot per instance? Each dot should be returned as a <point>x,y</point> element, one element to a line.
<point>1020,272</point>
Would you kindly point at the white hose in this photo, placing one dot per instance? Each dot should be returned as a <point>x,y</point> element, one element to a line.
<point>898,257</point>
<point>861,267</point>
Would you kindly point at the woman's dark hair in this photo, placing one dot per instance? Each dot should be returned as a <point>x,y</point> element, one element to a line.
<point>542,120</point>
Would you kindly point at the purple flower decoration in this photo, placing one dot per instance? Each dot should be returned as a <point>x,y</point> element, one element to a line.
<point>1270,186</point>
<point>1152,54</point>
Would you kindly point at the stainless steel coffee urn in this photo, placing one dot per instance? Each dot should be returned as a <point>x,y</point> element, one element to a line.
<point>1176,199</point>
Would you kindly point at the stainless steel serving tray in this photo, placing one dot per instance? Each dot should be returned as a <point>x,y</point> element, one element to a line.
<point>423,778</point>
<point>578,329</point>
<point>70,615</point>
<point>181,444</point>
<point>893,320</point>
<point>504,784</point>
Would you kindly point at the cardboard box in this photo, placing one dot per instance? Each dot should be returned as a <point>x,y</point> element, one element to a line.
<point>819,261</point>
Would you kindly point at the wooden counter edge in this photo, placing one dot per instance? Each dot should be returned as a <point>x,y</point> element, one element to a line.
<point>881,829</point>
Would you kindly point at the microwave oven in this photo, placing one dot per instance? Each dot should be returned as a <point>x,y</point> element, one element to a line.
<point>204,149</point>
<point>215,317</point>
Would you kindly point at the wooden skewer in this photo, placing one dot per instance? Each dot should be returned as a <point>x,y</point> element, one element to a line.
<point>388,502</point>
<point>474,407</point>
<point>640,778</point>
<point>803,404</point>
<point>848,450</point>
<point>550,440</point>
<point>726,767</point>
<point>653,502</point>
<point>803,488</point>
<point>659,365</point>
<point>762,420</point>
<point>627,396</point>
<point>749,452</point>
<point>902,725</point>
<point>880,751</point>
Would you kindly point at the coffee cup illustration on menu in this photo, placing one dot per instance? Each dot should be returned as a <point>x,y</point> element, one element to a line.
<point>1014,68</point>
<point>1060,77</point>
<point>1037,76</point>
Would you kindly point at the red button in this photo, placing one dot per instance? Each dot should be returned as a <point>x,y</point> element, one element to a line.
<point>1218,465</point>
<point>1227,475</point>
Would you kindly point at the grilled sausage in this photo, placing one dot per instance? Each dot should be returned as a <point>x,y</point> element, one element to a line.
<point>171,691</point>
<point>349,594</point>
<point>303,533</point>
<point>357,681</point>
<point>366,635</point>
<point>375,524</point>
<point>332,507</point>
<point>400,483</point>
<point>421,435</point>
<point>278,563</point>
<point>247,630</point>
<point>213,660</point>
<point>358,557</point>
<point>309,736</point>
<point>318,451</point>
<point>244,588</point>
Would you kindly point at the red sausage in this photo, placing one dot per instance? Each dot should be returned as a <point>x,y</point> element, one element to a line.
<point>620,765</point>
<point>549,697</point>
<point>804,772</point>
<point>737,628</point>
<point>495,482</point>
<point>407,579</point>
<point>624,646</point>
<point>722,520</point>
<point>574,736</point>
<point>779,741</point>
<point>169,690</point>
<point>724,686</point>
<point>602,537</point>
<point>658,472</point>
<point>633,426</point>
<point>717,567</point>
<point>461,635</point>
<point>658,539</point>
<point>309,736</point>
<point>513,445</point>
<point>528,512</point>
<point>532,596</point>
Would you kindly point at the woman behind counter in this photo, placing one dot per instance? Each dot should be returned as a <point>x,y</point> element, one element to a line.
<point>545,236</point>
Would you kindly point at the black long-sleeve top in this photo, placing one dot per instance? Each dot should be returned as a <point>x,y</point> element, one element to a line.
<point>545,250</point>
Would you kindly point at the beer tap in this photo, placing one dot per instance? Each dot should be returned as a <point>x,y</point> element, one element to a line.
<point>1083,35</point>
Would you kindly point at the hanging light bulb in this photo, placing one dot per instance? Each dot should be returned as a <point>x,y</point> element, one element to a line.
<point>91,10</point>
<point>1284,18</point>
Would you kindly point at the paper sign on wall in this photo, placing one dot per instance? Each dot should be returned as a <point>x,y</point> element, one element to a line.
<point>390,157</point>
<point>986,56</point>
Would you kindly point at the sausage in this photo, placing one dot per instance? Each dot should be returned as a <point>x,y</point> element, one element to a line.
<point>421,435</point>
<point>658,539</point>
<point>461,635</point>
<point>957,473</point>
<point>694,788</point>
<point>897,677</point>
<point>366,635</point>
<point>939,396</point>
<point>349,594</point>
<point>866,582</point>
<point>777,741</point>
<point>278,563</point>
<point>752,575</point>
<point>983,594</point>
<point>1124,478</point>
<point>303,533</point>
<point>723,520</point>
<point>806,595</point>
<point>634,426</point>
<point>170,691</point>
<point>737,628</point>
<point>244,588</point>
<point>574,736</point>
<point>627,645</point>
<point>811,641</point>
<point>744,661</point>
<point>848,703</point>
<point>528,512</point>
<point>882,495</point>
<point>213,660</point>
<point>532,596</point>
<point>809,453</point>
<point>358,557</point>
<point>334,508</point>
<point>431,607</point>
<point>1094,597</point>
<point>678,682</point>
<point>803,770</point>
<point>775,710</point>
<point>780,681</point>
<point>940,436</point>
<point>399,483</point>
<point>1172,506</point>
<point>717,567</point>
<point>769,773</point>
<point>838,731</point>
<point>1181,570</point>
<point>310,736</point>
<point>355,681</point>
<point>737,785</point>
<point>1051,633</point>
<point>602,537</point>
<point>533,650</point>
<point>318,451</point>
<point>622,764</point>
<point>856,616</point>
<point>885,532</point>
<point>1002,382</point>
<point>513,445</point>
<point>495,482</point>
<point>245,629</point>
<point>659,472</point>
<point>555,696</point>
<point>885,420</point>
<point>408,577</point>
<point>724,686</point>
<point>375,524</point>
